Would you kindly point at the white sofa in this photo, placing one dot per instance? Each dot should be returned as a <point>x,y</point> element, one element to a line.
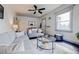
<point>64,48</point>
<point>34,33</point>
<point>9,43</point>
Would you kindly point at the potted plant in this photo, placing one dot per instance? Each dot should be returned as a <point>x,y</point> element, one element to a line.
<point>77,35</point>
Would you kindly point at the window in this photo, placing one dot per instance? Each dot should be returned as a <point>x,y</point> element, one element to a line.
<point>63,21</point>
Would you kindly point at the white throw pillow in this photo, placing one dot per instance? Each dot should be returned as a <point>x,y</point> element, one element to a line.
<point>30,31</point>
<point>39,30</point>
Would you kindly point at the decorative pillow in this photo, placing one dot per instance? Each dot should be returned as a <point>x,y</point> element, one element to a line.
<point>34,30</point>
<point>59,37</point>
<point>30,31</point>
<point>39,30</point>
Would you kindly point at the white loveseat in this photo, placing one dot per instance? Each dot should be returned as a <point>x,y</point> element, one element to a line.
<point>9,43</point>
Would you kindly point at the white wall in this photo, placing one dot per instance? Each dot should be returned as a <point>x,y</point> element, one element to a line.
<point>23,22</point>
<point>5,24</point>
<point>67,35</point>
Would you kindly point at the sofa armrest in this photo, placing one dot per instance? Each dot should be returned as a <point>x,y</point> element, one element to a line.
<point>74,43</point>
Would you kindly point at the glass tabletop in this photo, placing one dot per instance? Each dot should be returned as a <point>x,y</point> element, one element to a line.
<point>46,42</point>
<point>46,39</point>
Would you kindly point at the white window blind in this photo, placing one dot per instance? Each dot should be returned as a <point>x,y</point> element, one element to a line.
<point>64,20</point>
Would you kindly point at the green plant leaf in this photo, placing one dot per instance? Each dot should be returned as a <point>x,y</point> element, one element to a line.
<point>77,35</point>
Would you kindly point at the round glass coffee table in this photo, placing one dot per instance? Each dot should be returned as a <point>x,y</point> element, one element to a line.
<point>46,43</point>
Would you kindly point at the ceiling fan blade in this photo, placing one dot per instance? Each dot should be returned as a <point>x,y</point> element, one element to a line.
<point>39,11</point>
<point>34,12</point>
<point>35,7</point>
<point>42,9</point>
<point>30,10</point>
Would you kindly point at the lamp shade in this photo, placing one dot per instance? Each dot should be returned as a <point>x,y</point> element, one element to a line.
<point>15,27</point>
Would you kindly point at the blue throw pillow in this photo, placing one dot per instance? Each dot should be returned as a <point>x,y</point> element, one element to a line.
<point>59,37</point>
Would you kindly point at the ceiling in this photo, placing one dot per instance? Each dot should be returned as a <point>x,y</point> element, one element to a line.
<point>22,9</point>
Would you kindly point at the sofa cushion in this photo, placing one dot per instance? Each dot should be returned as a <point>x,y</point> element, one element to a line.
<point>7,37</point>
<point>18,34</point>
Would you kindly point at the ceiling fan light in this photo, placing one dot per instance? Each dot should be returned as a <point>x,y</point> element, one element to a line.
<point>37,10</point>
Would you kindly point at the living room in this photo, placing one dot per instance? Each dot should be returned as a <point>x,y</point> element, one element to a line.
<point>43,18</point>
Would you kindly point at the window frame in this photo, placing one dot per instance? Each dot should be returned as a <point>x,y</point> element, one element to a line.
<point>71,19</point>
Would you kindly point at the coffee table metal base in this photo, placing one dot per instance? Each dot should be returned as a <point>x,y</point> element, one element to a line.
<point>38,46</point>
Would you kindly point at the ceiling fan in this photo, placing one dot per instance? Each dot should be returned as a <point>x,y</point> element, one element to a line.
<point>36,9</point>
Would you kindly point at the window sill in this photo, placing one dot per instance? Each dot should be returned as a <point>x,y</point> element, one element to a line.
<point>64,31</point>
